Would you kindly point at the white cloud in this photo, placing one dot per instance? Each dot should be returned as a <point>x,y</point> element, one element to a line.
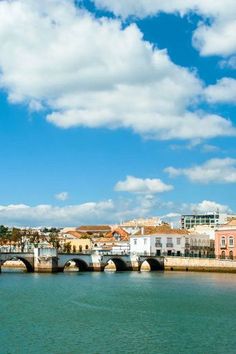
<point>228,63</point>
<point>209,148</point>
<point>224,91</point>
<point>214,171</point>
<point>145,186</point>
<point>62,196</point>
<point>108,211</point>
<point>210,206</point>
<point>215,34</point>
<point>95,73</point>
<point>53,215</point>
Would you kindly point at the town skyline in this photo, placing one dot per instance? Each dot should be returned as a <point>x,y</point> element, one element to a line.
<point>111,111</point>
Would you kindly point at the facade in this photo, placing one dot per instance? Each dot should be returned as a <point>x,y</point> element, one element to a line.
<point>115,242</point>
<point>74,242</point>
<point>225,241</point>
<point>199,245</point>
<point>158,244</point>
<point>204,229</point>
<point>210,219</point>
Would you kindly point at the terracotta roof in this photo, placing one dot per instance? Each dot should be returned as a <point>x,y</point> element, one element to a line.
<point>162,229</point>
<point>124,235</point>
<point>75,234</point>
<point>94,228</point>
<point>105,240</point>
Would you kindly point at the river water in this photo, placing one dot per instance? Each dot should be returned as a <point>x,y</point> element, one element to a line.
<point>126,312</point>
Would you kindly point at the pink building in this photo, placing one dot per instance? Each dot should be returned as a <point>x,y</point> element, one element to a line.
<point>225,241</point>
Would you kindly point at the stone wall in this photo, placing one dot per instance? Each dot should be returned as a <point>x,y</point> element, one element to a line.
<point>199,264</point>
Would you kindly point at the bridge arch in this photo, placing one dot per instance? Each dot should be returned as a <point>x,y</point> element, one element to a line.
<point>27,264</point>
<point>153,263</point>
<point>119,263</point>
<point>79,263</point>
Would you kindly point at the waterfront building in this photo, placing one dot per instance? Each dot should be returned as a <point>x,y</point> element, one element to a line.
<point>199,245</point>
<point>225,241</point>
<point>160,241</point>
<point>211,219</point>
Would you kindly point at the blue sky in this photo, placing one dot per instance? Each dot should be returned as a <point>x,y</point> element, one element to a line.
<point>113,110</point>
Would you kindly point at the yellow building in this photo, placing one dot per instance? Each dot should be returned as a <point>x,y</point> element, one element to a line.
<point>74,242</point>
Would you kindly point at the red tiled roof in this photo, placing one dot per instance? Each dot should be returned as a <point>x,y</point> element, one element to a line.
<point>94,228</point>
<point>75,234</point>
<point>162,229</point>
<point>124,235</point>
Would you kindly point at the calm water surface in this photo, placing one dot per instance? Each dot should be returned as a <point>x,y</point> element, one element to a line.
<point>118,313</point>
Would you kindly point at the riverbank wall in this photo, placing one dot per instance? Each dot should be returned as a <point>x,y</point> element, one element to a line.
<point>199,264</point>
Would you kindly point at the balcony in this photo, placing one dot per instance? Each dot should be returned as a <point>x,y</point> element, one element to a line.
<point>223,247</point>
<point>169,244</point>
<point>187,244</point>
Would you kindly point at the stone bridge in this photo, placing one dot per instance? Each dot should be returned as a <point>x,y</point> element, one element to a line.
<point>26,258</point>
<point>96,262</point>
<point>48,260</point>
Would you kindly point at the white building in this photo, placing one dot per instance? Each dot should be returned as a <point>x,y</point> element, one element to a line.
<point>158,244</point>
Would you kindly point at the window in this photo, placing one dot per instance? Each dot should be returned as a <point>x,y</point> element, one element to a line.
<point>158,242</point>
<point>223,241</point>
<point>178,240</point>
<point>145,241</point>
<point>135,241</point>
<point>231,241</point>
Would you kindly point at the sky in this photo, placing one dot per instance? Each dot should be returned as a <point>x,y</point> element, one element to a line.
<point>112,110</point>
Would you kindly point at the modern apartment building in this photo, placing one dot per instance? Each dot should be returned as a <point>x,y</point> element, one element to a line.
<point>211,219</point>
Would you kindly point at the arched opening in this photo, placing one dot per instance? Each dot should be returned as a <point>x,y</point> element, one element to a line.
<point>150,264</point>
<point>231,255</point>
<point>223,255</point>
<point>16,264</point>
<point>115,265</point>
<point>75,265</point>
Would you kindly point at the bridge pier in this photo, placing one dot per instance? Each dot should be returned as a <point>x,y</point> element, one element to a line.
<point>45,260</point>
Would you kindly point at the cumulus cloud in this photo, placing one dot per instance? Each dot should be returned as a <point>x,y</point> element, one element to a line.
<point>21,214</point>
<point>145,186</point>
<point>214,34</point>
<point>224,91</point>
<point>62,196</point>
<point>108,211</point>
<point>229,63</point>
<point>95,72</point>
<point>213,170</point>
<point>210,206</point>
